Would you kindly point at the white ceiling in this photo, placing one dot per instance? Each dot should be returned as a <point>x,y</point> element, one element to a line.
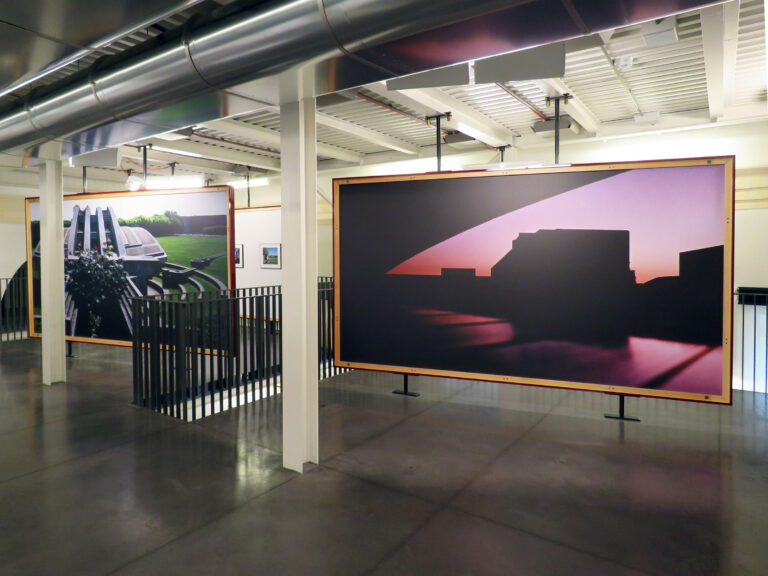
<point>714,73</point>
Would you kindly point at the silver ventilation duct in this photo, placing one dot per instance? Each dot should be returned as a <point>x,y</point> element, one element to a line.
<point>252,44</point>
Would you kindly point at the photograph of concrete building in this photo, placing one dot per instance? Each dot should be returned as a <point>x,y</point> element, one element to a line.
<point>146,249</point>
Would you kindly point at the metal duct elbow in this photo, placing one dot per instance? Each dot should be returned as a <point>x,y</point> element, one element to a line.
<point>66,111</point>
<point>16,129</point>
<point>262,44</point>
<point>166,74</point>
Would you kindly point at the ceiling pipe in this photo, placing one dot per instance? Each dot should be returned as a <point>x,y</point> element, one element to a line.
<point>253,43</point>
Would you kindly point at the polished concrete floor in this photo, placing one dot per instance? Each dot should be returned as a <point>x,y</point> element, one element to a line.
<point>468,479</point>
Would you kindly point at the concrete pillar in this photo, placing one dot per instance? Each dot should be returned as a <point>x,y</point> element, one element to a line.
<point>52,263</point>
<point>299,314</point>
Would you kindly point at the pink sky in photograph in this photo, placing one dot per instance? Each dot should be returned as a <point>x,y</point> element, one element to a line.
<point>666,210</point>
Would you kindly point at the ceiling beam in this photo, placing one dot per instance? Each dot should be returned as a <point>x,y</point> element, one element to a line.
<point>575,108</point>
<point>272,138</point>
<point>27,181</point>
<point>719,31</point>
<point>9,161</point>
<point>366,133</point>
<point>194,164</point>
<point>464,118</point>
<point>219,154</point>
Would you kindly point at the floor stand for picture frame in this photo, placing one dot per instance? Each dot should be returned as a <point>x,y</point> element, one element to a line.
<point>404,391</point>
<point>621,415</point>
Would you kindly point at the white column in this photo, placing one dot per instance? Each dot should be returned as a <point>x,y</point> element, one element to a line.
<point>52,263</point>
<point>299,321</point>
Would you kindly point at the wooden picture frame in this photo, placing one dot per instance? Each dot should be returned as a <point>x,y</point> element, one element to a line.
<point>162,240</point>
<point>613,277</point>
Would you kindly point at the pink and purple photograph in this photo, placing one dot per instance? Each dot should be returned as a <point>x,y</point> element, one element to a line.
<point>610,279</point>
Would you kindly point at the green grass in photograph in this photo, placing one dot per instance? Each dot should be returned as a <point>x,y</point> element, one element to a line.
<point>183,249</point>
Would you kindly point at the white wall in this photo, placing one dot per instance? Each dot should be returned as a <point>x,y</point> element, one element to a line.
<point>13,248</point>
<point>257,226</point>
<point>253,228</point>
<point>751,248</point>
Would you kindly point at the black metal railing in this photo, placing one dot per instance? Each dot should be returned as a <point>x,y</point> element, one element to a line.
<point>14,312</point>
<point>200,353</point>
<point>750,333</point>
<point>325,330</point>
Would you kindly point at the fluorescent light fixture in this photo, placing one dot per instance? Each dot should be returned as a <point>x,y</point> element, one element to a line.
<point>135,182</point>
<point>516,165</point>
<point>243,184</point>
<point>183,134</point>
<point>171,182</point>
<point>175,151</point>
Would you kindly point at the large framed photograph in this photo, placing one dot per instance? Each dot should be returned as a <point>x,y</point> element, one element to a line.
<point>123,244</point>
<point>608,277</point>
<point>271,256</point>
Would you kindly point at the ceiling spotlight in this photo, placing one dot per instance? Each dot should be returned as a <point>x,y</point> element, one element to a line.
<point>134,181</point>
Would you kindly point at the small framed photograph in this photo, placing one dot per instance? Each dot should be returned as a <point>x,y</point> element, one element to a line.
<point>239,259</point>
<point>271,256</point>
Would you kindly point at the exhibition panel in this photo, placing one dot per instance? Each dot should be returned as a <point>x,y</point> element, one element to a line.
<point>122,245</point>
<point>607,277</point>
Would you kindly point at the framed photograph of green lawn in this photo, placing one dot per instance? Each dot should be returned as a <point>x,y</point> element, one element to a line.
<point>118,245</point>
<point>271,256</point>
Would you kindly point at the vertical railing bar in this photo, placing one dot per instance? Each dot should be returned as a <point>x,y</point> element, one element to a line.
<point>251,343</point>
<point>173,358</point>
<point>273,334</point>
<point>145,315</point>
<point>279,334</point>
<point>765,345</point>
<point>200,306</point>
<point>7,317</point>
<point>182,385</point>
<point>230,350</point>
<point>171,327</point>
<point>236,346</point>
<point>268,341</point>
<point>3,313</point>
<point>154,336</point>
<point>320,351</point>
<point>742,302</point>
<point>135,350</point>
<point>165,331</point>
<point>193,351</point>
<point>220,360</point>
<point>211,357</point>
<point>754,345</point>
<point>260,343</point>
